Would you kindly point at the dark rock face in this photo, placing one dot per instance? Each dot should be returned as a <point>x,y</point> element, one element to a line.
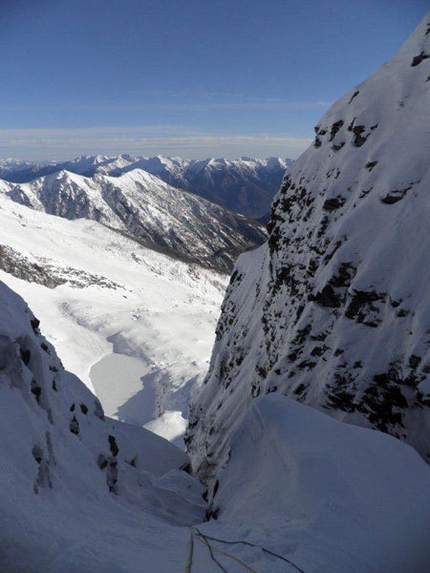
<point>418,59</point>
<point>44,273</point>
<point>333,312</point>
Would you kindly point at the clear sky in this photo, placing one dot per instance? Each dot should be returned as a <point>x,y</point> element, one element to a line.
<point>195,78</point>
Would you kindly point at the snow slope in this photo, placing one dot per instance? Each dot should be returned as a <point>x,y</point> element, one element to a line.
<point>81,493</point>
<point>324,495</point>
<point>334,310</point>
<point>135,325</point>
<point>139,204</point>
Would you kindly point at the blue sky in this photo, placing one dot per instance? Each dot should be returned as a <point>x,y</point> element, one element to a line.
<point>195,78</point>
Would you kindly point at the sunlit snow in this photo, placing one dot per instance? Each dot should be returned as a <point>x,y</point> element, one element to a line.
<point>142,345</point>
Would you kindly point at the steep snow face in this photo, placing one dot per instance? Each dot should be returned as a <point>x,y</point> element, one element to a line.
<point>177,222</point>
<point>334,310</point>
<point>135,325</point>
<point>78,490</point>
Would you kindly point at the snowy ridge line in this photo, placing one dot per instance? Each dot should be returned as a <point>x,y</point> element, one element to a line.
<point>243,185</point>
<point>173,220</point>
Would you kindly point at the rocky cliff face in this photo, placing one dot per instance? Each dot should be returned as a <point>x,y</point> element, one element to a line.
<point>334,310</point>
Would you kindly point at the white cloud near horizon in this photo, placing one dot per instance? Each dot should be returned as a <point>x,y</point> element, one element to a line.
<point>59,144</point>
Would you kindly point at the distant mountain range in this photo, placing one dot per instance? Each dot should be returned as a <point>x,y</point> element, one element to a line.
<point>244,185</point>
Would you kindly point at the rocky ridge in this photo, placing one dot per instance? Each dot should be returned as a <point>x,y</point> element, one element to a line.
<point>43,271</point>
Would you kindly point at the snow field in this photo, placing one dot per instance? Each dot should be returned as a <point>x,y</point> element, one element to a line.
<point>159,316</point>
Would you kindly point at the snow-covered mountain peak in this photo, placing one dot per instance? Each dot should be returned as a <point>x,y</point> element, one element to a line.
<point>217,161</point>
<point>161,164</point>
<point>12,162</point>
<point>245,186</point>
<point>334,310</point>
<point>164,217</point>
<point>65,175</point>
<point>272,162</point>
<point>87,160</point>
<point>138,174</point>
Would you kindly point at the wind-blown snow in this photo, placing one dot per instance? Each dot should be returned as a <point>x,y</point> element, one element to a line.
<point>324,495</point>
